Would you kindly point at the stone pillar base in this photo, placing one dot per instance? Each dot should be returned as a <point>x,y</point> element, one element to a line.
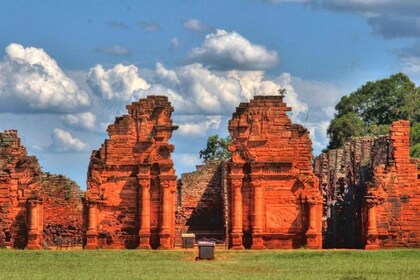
<point>372,240</point>
<point>257,241</point>
<point>34,242</point>
<point>312,240</point>
<point>237,241</point>
<point>372,247</point>
<point>91,241</point>
<point>165,241</point>
<point>144,241</point>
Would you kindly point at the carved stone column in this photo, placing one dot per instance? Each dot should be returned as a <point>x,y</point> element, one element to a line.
<point>372,231</point>
<point>35,224</point>
<point>257,214</point>
<point>144,228</point>
<point>312,232</point>
<point>92,232</point>
<point>237,230</point>
<point>165,235</point>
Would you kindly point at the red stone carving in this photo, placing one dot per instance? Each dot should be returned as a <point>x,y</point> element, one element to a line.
<point>274,199</point>
<point>131,181</point>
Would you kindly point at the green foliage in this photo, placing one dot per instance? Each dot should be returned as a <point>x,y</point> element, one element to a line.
<point>181,264</point>
<point>373,107</point>
<point>216,148</point>
<point>415,151</point>
<point>341,129</point>
<point>415,134</point>
<point>376,130</point>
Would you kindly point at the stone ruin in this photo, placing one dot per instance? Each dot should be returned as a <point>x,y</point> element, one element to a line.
<point>371,192</point>
<point>274,200</point>
<point>364,195</point>
<point>36,208</point>
<point>130,198</point>
<point>202,203</point>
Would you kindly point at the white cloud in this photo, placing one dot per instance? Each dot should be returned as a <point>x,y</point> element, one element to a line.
<point>196,25</point>
<point>63,141</point>
<point>194,89</point>
<point>175,42</point>
<point>315,93</point>
<point>224,50</point>
<point>83,121</point>
<point>199,128</point>
<point>188,160</point>
<point>318,134</point>
<point>30,80</point>
<point>115,51</point>
<point>149,26</point>
<point>116,84</point>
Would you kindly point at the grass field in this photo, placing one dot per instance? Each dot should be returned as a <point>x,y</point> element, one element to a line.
<point>179,264</point>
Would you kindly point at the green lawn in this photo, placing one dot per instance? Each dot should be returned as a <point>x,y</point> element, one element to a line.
<point>179,264</point>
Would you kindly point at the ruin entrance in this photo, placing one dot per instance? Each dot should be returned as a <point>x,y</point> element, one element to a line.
<point>274,196</point>
<point>130,201</point>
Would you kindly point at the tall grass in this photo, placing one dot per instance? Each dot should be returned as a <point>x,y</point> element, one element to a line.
<point>180,264</point>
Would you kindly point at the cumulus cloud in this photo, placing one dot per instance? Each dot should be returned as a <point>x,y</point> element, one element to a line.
<point>115,51</point>
<point>116,84</point>
<point>318,134</point>
<point>31,81</point>
<point>224,50</point>
<point>188,160</point>
<point>149,26</point>
<point>63,141</point>
<point>199,128</point>
<point>196,25</point>
<point>83,121</point>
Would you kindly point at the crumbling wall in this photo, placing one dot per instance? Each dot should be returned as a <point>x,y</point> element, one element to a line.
<point>371,192</point>
<point>273,193</point>
<point>200,206</point>
<point>30,200</point>
<point>62,210</point>
<point>131,182</point>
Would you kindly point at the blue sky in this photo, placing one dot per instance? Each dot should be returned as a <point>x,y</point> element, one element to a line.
<point>68,68</point>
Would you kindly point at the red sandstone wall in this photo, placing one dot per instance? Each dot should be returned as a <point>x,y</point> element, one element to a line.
<point>17,184</point>
<point>273,188</point>
<point>131,179</point>
<point>201,207</point>
<point>62,210</point>
<point>366,176</point>
<point>23,186</point>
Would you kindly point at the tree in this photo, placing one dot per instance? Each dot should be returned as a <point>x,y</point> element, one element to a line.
<point>341,129</point>
<point>216,148</point>
<point>373,107</point>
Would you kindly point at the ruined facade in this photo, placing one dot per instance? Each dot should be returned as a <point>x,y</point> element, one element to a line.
<point>130,199</point>
<point>274,197</point>
<point>33,206</point>
<point>202,202</point>
<point>371,191</point>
